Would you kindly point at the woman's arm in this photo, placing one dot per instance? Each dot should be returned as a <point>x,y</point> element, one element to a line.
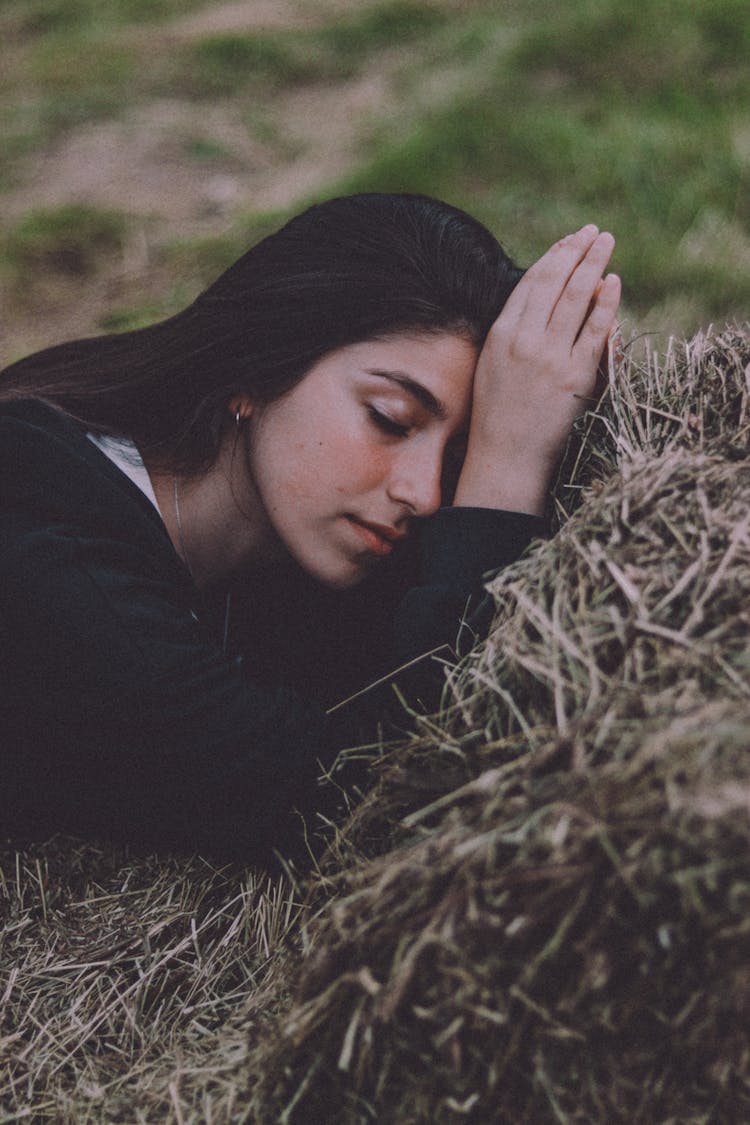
<point>536,371</point>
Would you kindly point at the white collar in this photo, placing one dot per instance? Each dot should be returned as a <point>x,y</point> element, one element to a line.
<point>124,454</point>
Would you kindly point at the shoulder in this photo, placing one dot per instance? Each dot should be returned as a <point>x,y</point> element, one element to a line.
<point>50,471</point>
<point>36,440</point>
<point>83,554</point>
<point>23,421</point>
<point>77,537</point>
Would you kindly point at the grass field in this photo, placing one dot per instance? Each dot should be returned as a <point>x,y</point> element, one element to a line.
<point>145,145</point>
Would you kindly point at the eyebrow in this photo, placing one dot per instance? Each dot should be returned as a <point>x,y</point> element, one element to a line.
<point>421,394</point>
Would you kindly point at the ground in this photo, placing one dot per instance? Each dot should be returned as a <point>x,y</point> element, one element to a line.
<point>182,169</point>
<point>144,145</point>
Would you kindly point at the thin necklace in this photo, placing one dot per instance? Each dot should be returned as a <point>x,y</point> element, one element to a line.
<point>186,560</point>
<point>180,536</point>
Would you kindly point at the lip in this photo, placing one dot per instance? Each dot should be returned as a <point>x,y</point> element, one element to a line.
<point>378,538</point>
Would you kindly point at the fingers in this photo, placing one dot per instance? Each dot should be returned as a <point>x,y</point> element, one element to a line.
<point>535,297</point>
<point>562,309</point>
<point>581,289</point>
<point>600,321</point>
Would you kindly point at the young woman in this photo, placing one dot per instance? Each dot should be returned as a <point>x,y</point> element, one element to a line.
<point>214,527</point>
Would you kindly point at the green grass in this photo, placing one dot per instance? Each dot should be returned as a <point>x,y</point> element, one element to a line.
<point>202,259</point>
<point>24,18</point>
<point>205,150</point>
<point>228,65</point>
<point>380,26</point>
<point>633,114</point>
<point>79,78</point>
<point>604,115</point>
<point>69,240</point>
<point>67,63</point>
<point>146,312</point>
<point>194,262</point>
<point>61,80</point>
<point>687,56</point>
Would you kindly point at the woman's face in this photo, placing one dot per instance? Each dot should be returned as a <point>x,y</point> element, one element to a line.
<point>342,463</point>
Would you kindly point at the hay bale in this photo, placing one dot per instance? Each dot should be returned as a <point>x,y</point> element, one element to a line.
<point>542,912</point>
<point>695,396</point>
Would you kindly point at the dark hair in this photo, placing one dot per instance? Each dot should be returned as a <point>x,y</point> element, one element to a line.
<point>347,270</point>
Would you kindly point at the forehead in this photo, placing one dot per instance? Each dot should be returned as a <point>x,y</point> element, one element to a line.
<point>436,368</point>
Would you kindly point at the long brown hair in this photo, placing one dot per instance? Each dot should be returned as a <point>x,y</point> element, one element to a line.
<point>350,269</point>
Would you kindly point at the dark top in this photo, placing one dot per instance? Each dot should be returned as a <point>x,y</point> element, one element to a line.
<point>120,715</point>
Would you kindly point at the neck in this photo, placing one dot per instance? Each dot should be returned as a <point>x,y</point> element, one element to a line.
<point>214,519</point>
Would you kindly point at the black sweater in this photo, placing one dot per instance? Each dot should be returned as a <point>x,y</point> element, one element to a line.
<point>119,713</point>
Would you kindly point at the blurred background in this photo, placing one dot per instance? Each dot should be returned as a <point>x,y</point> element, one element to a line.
<point>145,144</point>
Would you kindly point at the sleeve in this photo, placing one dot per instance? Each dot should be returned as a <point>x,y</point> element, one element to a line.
<point>445,604</point>
<point>128,720</point>
<point>458,549</point>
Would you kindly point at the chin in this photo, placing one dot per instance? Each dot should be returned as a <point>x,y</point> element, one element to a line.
<point>335,570</point>
<point>342,581</point>
<point>341,577</point>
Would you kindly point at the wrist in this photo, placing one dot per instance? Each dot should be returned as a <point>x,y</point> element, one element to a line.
<point>507,487</point>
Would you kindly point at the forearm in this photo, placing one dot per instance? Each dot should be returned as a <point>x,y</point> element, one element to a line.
<point>459,548</point>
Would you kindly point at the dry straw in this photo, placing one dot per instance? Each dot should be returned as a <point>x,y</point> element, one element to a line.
<point>541,910</point>
<point>127,983</point>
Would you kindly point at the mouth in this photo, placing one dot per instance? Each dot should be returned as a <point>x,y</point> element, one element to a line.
<point>378,539</point>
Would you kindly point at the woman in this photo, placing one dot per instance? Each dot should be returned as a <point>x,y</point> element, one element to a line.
<point>378,371</point>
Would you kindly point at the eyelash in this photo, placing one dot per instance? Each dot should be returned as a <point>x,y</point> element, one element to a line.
<point>386,424</point>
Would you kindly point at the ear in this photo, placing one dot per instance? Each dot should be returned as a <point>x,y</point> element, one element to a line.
<point>240,407</point>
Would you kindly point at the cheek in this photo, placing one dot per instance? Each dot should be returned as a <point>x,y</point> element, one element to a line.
<point>345,464</point>
<point>362,467</point>
<point>308,472</point>
<point>337,460</point>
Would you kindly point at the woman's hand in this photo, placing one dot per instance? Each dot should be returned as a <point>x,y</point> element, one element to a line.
<point>535,372</point>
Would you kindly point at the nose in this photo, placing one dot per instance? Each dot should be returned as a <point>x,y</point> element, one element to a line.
<point>416,479</point>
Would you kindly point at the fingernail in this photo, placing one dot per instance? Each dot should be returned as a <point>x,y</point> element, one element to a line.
<point>590,228</point>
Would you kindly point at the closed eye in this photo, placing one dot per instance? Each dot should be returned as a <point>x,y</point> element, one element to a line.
<point>386,424</point>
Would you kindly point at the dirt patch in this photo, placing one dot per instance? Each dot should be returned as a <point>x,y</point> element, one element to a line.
<point>185,169</point>
<point>149,163</point>
<point>150,166</point>
<point>328,126</point>
<point>252,15</point>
